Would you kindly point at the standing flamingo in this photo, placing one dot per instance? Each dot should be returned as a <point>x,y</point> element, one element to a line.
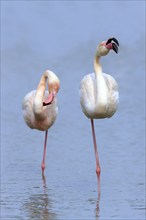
<point>99,95</point>
<point>40,106</point>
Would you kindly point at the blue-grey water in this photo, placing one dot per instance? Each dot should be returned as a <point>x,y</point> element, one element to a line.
<point>62,36</point>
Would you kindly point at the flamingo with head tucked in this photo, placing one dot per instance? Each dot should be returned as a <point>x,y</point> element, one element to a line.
<point>99,95</point>
<point>40,106</point>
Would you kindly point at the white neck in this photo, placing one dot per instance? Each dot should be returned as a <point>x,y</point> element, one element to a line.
<point>97,66</point>
<point>100,85</point>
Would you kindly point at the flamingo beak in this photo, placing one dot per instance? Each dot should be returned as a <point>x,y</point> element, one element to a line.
<point>114,45</point>
<point>49,99</point>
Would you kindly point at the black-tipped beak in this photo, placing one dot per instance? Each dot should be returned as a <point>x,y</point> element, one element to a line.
<point>112,39</point>
<point>114,45</point>
<point>115,40</point>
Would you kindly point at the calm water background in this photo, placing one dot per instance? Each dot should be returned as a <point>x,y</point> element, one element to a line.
<point>62,36</point>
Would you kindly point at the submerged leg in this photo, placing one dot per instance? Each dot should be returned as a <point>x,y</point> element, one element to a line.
<point>44,154</point>
<point>96,156</point>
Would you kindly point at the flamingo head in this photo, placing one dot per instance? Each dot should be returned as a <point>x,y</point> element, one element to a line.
<point>105,46</point>
<point>53,87</point>
<point>53,82</point>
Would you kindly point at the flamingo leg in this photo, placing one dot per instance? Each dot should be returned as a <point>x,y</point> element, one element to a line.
<point>44,154</point>
<point>98,170</point>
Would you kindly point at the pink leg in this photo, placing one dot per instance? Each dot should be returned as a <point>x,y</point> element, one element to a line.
<point>44,154</point>
<point>96,156</point>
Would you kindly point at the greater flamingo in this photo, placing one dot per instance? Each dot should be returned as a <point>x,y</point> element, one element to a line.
<point>40,106</point>
<point>99,95</point>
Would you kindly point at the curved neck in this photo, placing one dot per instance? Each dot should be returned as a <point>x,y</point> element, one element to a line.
<point>97,66</point>
<point>40,92</point>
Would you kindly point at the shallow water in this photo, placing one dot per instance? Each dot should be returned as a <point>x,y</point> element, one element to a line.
<point>62,36</point>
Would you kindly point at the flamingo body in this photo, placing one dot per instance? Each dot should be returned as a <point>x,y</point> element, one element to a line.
<point>99,95</point>
<point>48,114</point>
